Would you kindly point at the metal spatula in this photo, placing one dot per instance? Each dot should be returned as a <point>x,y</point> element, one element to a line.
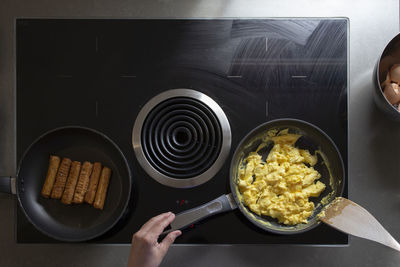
<point>351,218</point>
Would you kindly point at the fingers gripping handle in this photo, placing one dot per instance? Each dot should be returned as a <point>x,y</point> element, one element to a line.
<point>186,218</point>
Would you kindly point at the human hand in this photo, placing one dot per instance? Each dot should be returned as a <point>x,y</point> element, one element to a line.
<point>145,249</point>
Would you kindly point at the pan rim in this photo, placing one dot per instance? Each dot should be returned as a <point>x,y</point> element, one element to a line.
<point>104,137</point>
<point>232,184</point>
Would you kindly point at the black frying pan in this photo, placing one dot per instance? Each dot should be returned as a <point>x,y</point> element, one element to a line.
<point>312,139</point>
<point>70,222</point>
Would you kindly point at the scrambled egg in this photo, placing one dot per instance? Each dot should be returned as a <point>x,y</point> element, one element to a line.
<point>281,186</point>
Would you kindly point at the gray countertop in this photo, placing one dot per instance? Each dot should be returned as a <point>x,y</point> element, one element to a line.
<point>374,141</point>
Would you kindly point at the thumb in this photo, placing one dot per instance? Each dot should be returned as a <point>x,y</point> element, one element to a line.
<point>168,240</point>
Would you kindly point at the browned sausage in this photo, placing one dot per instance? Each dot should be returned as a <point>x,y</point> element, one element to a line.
<point>83,182</point>
<point>71,183</point>
<point>94,181</point>
<point>61,178</point>
<point>102,188</point>
<point>54,163</point>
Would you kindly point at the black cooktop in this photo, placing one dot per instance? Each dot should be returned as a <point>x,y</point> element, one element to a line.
<point>100,73</point>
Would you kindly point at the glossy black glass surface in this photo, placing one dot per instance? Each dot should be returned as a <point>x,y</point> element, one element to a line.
<point>99,73</point>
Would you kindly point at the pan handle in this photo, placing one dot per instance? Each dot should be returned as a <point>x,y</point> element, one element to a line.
<point>218,205</point>
<point>7,185</point>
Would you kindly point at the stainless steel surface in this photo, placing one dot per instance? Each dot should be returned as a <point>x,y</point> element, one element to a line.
<point>170,181</point>
<point>231,201</point>
<point>191,216</point>
<point>349,217</point>
<point>373,150</point>
<point>13,185</point>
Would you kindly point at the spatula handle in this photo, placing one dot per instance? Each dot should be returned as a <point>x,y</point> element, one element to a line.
<point>351,218</point>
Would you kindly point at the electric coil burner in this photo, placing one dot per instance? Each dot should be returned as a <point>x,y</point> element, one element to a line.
<point>181,138</point>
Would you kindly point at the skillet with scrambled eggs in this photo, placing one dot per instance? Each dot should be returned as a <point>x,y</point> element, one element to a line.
<point>281,185</point>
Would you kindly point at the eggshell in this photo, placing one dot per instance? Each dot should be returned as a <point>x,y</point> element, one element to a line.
<point>392,93</point>
<point>395,73</point>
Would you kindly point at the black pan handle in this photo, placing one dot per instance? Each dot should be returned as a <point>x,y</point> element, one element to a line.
<point>6,184</point>
<point>188,217</point>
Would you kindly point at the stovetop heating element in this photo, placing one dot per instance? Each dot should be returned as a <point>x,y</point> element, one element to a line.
<point>181,138</point>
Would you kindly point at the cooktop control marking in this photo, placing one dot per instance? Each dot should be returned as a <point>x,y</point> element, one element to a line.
<point>266,44</point>
<point>299,76</point>
<point>181,202</point>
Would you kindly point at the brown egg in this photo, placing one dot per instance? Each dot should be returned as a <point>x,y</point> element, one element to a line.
<point>395,73</point>
<point>392,93</point>
<point>387,80</point>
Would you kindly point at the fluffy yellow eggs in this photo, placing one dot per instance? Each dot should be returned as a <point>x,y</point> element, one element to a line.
<point>280,186</point>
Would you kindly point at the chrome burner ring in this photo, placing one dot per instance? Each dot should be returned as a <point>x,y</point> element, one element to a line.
<point>181,138</point>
